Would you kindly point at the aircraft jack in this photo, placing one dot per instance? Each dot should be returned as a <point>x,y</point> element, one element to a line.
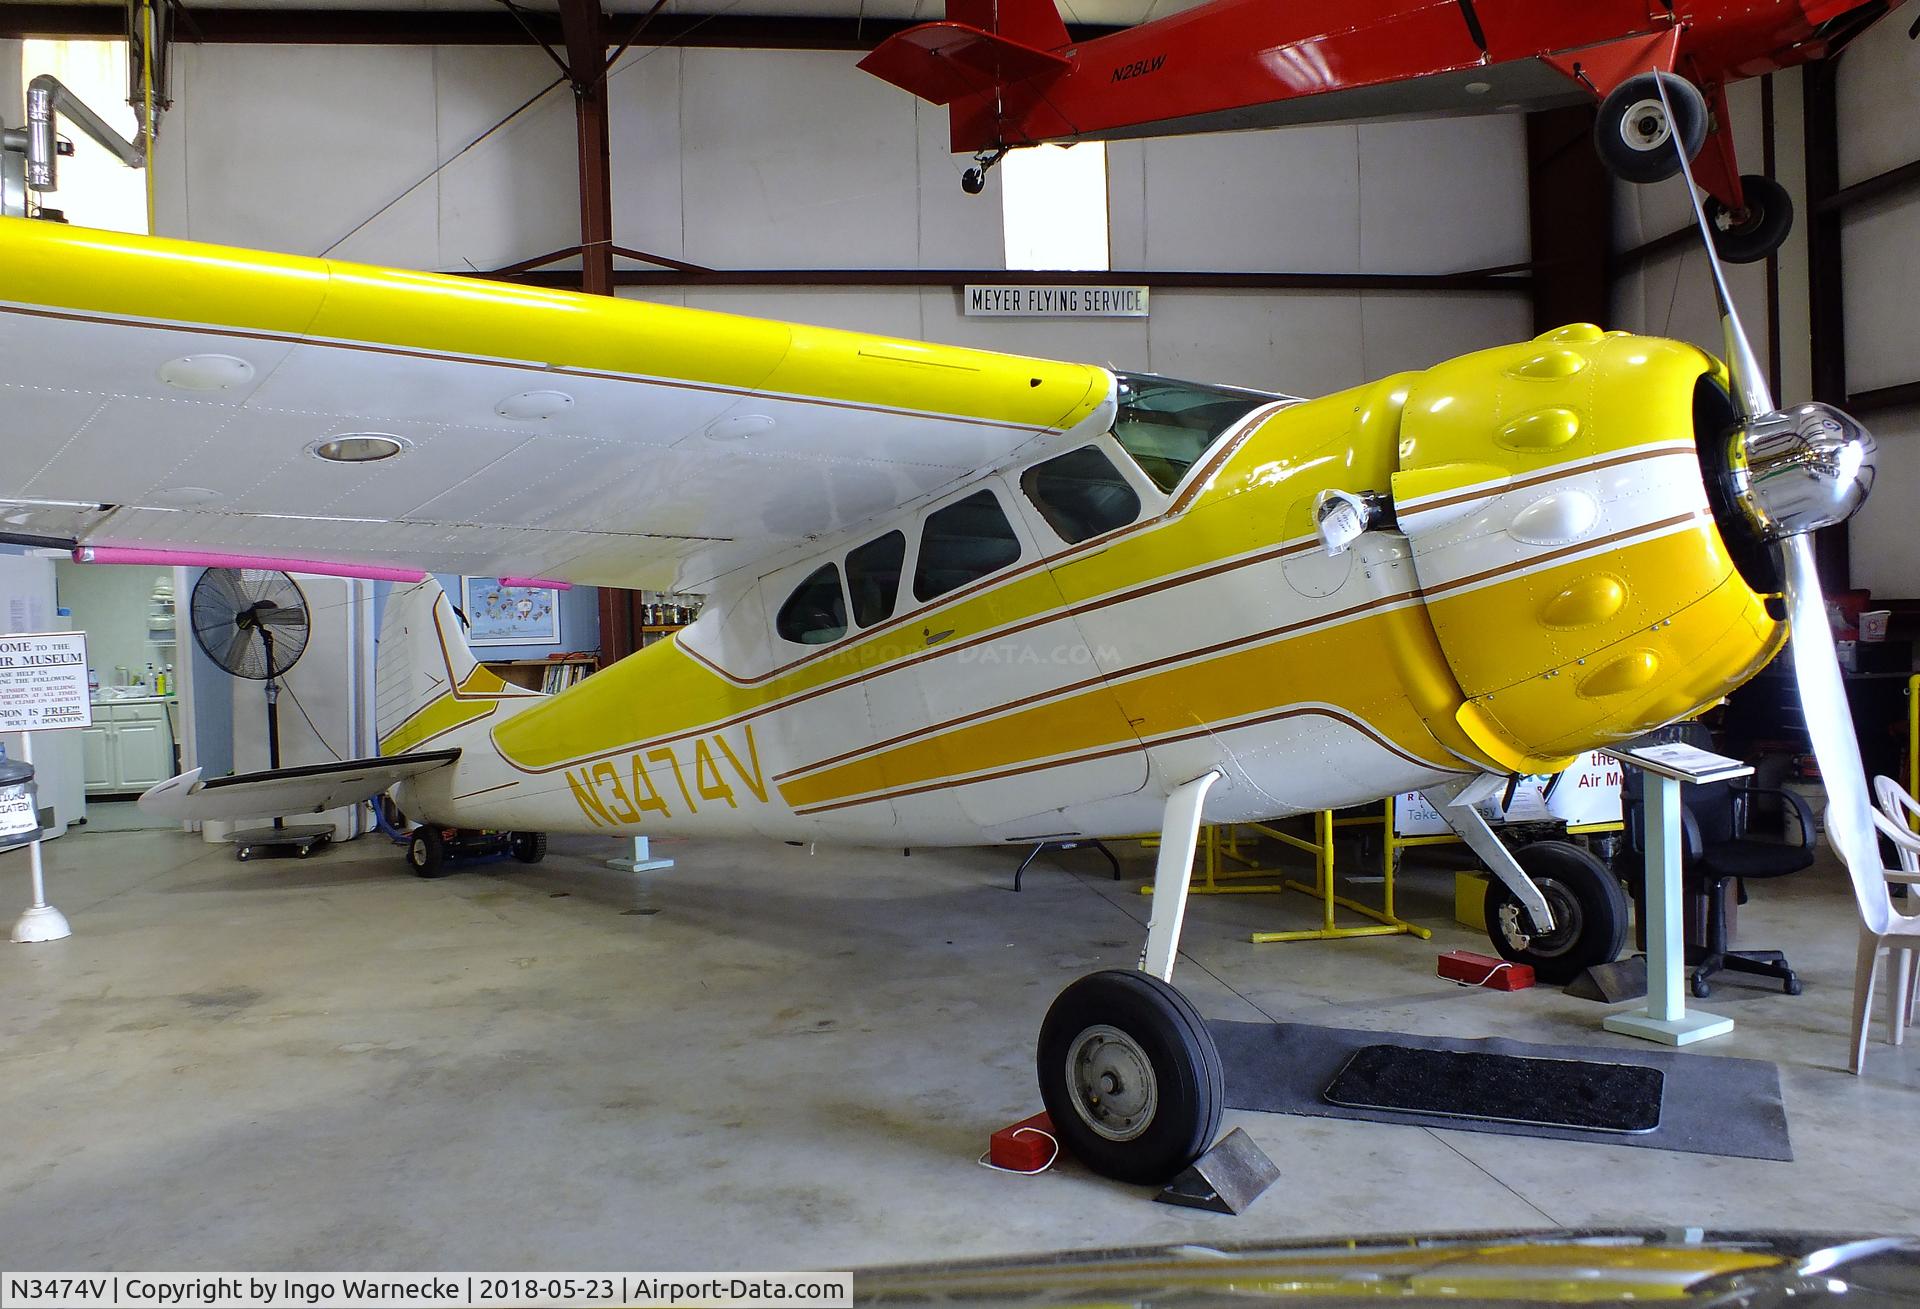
<point>1224,1180</point>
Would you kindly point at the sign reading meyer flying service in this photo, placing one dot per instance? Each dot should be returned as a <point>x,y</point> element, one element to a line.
<point>1018,300</point>
<point>43,681</point>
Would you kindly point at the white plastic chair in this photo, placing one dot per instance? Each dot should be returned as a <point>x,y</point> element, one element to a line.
<point>1884,930</point>
<point>1903,809</point>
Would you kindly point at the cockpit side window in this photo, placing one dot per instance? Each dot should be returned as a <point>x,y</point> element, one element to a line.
<point>962,541</point>
<point>873,577</point>
<point>1081,494</point>
<point>816,612</point>
<point>1167,425</point>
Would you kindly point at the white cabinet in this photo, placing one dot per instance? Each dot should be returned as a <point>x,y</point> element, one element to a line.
<point>129,747</point>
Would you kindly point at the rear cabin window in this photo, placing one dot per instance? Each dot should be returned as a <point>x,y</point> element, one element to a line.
<point>966,540</point>
<point>1081,494</point>
<point>1167,425</point>
<point>873,577</point>
<point>816,612</point>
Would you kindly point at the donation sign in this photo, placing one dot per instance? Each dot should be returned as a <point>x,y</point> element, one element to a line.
<point>43,681</point>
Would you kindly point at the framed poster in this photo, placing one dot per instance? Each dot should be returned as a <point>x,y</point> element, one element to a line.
<point>509,615</point>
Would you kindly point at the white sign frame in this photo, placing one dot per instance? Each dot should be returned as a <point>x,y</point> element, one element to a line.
<point>42,673</point>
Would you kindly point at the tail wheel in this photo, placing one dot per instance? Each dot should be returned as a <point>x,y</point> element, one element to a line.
<point>1634,131</point>
<point>528,847</point>
<point>1758,230</point>
<point>1130,1076</point>
<point>427,852</point>
<point>1589,913</point>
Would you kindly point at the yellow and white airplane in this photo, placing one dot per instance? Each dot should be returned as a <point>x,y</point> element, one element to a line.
<point>952,596</point>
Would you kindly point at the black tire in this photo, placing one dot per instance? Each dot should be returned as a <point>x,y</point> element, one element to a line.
<point>1589,908</point>
<point>427,852</point>
<point>528,847</point>
<point>1700,987</point>
<point>1136,1021</point>
<point>1759,231</point>
<point>244,853</point>
<point>1633,134</point>
<point>973,181</point>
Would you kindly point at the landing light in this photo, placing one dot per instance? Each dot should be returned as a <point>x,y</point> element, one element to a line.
<point>358,448</point>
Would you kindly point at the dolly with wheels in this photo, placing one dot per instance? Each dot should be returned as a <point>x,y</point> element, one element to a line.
<point>432,850</point>
<point>1129,1073</point>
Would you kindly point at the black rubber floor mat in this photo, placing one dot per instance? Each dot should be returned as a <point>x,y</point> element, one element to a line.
<point>1501,1088</point>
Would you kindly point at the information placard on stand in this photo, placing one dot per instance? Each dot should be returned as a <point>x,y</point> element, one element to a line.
<point>43,688</point>
<point>1668,767</point>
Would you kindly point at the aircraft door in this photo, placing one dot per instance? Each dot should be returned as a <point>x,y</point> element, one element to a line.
<point>1013,695</point>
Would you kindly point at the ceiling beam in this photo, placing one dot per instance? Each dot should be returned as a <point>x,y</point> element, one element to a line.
<point>267,26</point>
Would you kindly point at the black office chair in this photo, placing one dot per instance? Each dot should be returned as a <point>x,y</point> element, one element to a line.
<point>1716,849</point>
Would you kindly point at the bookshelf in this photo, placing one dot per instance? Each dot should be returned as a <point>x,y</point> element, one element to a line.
<point>555,673</point>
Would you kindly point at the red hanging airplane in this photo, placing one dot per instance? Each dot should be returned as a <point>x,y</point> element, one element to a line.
<point>1012,77</point>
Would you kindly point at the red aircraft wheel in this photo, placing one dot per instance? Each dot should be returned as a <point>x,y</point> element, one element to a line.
<point>1634,133</point>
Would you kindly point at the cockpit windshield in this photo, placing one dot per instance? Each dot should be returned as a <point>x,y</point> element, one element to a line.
<point>1166,425</point>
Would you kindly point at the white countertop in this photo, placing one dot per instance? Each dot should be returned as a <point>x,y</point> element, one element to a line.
<point>99,700</point>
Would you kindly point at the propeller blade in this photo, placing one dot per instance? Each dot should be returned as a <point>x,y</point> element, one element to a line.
<point>1823,698</point>
<point>1750,394</point>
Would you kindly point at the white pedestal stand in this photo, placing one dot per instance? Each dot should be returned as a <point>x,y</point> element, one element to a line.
<point>1665,1018</point>
<point>642,861</point>
<point>41,921</point>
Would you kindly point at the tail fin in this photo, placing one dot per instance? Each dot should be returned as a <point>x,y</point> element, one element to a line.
<point>983,44</point>
<point>426,680</point>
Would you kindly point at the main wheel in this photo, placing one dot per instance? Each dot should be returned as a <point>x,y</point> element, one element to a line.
<point>1634,133</point>
<point>427,852</point>
<point>528,847</point>
<point>1589,913</point>
<point>1758,231</point>
<point>1130,1076</point>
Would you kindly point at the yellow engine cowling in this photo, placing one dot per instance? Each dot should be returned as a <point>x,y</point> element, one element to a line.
<point>1572,569</point>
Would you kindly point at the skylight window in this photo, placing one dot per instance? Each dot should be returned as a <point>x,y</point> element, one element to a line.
<point>1054,205</point>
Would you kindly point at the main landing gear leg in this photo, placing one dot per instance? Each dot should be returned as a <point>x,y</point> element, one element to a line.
<point>1128,1071</point>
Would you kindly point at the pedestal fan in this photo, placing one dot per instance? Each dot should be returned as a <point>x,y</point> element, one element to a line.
<point>253,623</point>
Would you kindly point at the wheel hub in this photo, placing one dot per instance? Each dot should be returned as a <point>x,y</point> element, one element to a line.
<point>1112,1083</point>
<point>1645,126</point>
<point>1567,922</point>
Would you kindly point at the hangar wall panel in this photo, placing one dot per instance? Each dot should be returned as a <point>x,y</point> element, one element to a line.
<point>1881,281</point>
<point>12,105</point>
<point>311,149</point>
<point>1880,537</point>
<point>1878,92</point>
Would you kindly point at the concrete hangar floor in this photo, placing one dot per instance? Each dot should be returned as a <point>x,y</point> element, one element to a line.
<point>766,1058</point>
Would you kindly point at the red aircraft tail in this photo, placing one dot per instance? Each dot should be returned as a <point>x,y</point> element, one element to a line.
<point>983,44</point>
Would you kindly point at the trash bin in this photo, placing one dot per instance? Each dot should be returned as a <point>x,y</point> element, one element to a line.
<point>19,804</point>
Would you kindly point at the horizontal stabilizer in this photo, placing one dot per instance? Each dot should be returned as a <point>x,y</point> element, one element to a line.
<point>940,62</point>
<point>281,791</point>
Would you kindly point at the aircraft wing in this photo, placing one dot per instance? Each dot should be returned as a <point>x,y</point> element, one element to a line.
<point>169,396</point>
<point>277,792</point>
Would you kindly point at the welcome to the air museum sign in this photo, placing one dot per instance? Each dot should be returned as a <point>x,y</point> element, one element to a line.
<point>1012,300</point>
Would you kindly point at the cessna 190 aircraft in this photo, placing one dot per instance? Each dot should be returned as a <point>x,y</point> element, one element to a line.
<point>953,596</point>
<point>1012,76</point>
